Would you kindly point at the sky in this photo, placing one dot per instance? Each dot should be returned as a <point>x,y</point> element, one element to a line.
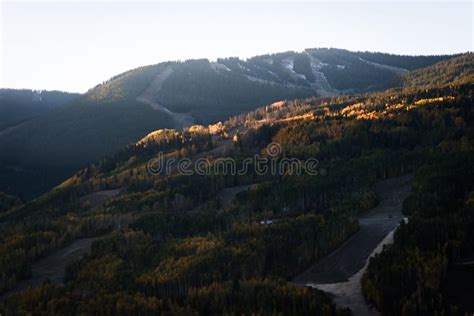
<point>72,46</point>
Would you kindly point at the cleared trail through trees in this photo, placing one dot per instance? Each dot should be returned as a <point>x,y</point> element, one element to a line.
<point>181,120</point>
<point>98,198</point>
<point>53,267</point>
<point>340,272</point>
<point>227,195</point>
<point>10,129</point>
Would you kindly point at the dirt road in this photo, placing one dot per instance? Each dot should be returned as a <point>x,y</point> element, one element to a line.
<point>340,272</point>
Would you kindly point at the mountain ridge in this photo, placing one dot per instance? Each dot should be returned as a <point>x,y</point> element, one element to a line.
<point>121,110</point>
<point>210,243</point>
<point>20,105</point>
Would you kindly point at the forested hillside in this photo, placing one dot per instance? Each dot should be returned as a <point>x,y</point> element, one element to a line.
<point>452,71</point>
<point>18,106</point>
<point>227,243</point>
<point>49,148</point>
<point>402,61</point>
<point>17,109</point>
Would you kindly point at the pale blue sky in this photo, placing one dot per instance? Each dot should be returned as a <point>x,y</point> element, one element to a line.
<point>74,46</point>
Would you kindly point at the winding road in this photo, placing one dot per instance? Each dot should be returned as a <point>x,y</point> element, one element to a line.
<point>340,272</point>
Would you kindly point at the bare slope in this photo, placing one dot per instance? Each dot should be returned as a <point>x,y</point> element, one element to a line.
<point>374,226</point>
<point>340,272</point>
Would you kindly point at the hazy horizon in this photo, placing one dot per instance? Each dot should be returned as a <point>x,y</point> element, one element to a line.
<point>75,46</point>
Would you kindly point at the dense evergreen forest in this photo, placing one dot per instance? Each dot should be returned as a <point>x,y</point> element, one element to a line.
<point>17,106</point>
<point>176,244</point>
<point>17,109</point>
